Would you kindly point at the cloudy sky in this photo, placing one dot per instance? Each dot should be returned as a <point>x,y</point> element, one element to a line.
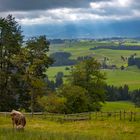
<point>75,18</point>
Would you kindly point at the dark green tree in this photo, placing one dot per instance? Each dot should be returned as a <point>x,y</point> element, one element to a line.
<point>59,79</point>
<point>135,97</point>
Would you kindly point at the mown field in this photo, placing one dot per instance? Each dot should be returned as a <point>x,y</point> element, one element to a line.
<point>129,76</point>
<point>39,128</point>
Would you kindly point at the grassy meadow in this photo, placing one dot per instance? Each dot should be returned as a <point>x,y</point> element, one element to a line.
<point>39,128</point>
<point>119,106</point>
<point>83,49</point>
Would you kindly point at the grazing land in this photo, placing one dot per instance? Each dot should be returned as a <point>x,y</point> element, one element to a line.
<point>117,77</point>
<point>120,106</point>
<point>41,128</point>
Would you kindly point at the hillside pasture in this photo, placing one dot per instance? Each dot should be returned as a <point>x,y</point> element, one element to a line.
<point>130,77</point>
<point>119,106</point>
<point>79,49</point>
<point>117,77</point>
<point>41,128</point>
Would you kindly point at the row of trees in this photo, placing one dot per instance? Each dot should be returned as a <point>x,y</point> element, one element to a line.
<point>133,60</point>
<point>135,97</point>
<point>63,59</point>
<point>122,93</point>
<point>114,93</point>
<point>120,47</point>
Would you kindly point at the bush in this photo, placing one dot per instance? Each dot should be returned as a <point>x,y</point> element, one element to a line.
<point>53,104</point>
<point>76,98</point>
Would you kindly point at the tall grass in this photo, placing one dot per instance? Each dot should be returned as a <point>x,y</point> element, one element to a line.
<point>40,128</point>
<point>85,130</point>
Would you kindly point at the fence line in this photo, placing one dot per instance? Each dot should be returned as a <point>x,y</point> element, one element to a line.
<point>120,115</point>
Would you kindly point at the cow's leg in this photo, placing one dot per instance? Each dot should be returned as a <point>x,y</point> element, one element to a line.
<point>13,122</point>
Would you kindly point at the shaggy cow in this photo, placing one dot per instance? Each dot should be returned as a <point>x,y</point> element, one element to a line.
<point>18,119</point>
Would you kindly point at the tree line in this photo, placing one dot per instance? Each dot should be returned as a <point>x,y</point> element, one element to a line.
<point>122,93</point>
<point>63,59</point>
<point>121,47</point>
<point>133,60</point>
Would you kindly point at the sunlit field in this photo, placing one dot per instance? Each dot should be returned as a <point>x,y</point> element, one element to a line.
<point>120,106</point>
<point>40,128</point>
<point>130,76</point>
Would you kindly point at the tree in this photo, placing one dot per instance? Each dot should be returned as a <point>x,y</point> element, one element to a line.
<point>62,59</point>
<point>37,63</point>
<point>77,99</point>
<point>22,69</point>
<point>88,76</point>
<point>135,97</point>
<point>53,103</point>
<point>10,45</point>
<point>59,79</point>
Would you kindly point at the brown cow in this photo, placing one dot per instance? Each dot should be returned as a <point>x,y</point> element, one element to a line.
<point>18,119</point>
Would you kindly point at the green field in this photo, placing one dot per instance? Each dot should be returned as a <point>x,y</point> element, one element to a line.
<point>119,106</point>
<point>83,49</point>
<point>129,76</point>
<point>39,128</point>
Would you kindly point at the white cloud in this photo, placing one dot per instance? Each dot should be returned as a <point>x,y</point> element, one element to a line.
<point>112,3</point>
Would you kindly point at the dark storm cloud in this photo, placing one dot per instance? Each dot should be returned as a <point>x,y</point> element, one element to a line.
<point>26,5</point>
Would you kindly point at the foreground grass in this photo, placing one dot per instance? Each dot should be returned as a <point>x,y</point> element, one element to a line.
<point>41,129</point>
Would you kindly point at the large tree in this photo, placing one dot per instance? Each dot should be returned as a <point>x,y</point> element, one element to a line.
<point>87,75</point>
